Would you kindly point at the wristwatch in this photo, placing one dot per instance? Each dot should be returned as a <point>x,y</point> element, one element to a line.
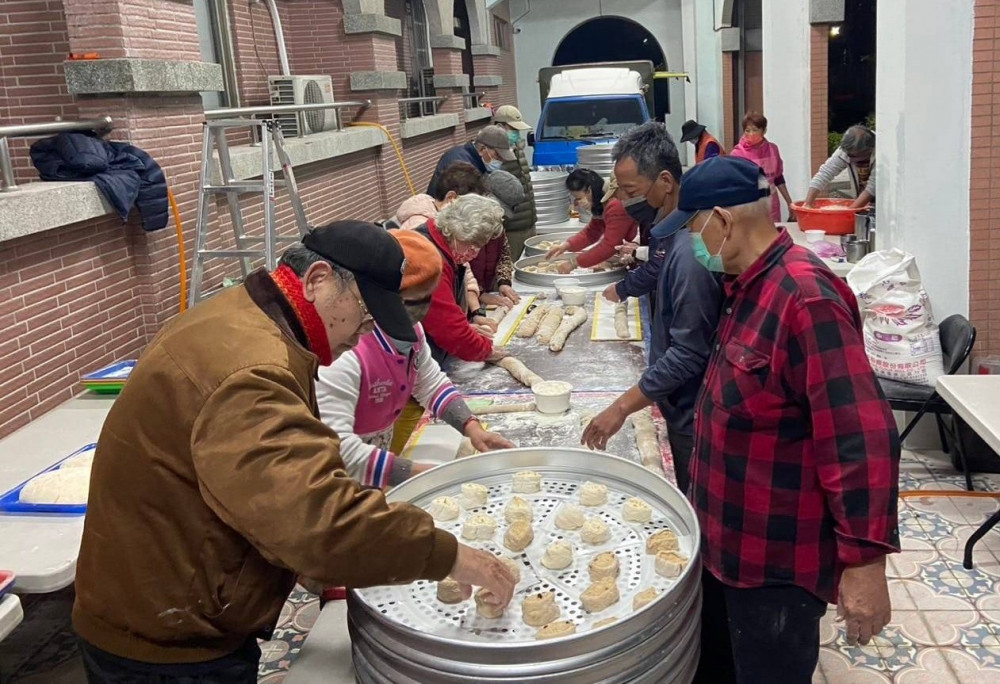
<point>481,311</point>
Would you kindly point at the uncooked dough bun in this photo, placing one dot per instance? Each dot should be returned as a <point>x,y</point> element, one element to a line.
<point>595,531</point>
<point>444,508</point>
<point>449,591</point>
<point>474,495</point>
<point>515,568</point>
<point>84,460</point>
<point>527,482</point>
<point>479,526</point>
<point>556,629</point>
<point>644,598</point>
<point>637,510</point>
<point>604,565</point>
<point>593,494</point>
<point>540,609</point>
<point>487,610</point>
<point>517,510</point>
<point>670,564</point>
<point>600,595</point>
<point>558,555</point>
<point>69,487</point>
<point>570,517</point>
<point>518,536</point>
<point>664,540</point>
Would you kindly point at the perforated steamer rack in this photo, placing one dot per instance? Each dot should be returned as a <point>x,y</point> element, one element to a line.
<point>404,635</point>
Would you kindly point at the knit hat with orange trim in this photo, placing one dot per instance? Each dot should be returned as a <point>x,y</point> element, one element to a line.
<point>423,260</point>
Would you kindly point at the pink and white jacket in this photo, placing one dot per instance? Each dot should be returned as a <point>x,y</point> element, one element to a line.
<point>362,393</point>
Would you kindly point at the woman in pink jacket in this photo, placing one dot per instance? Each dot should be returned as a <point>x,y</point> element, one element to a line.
<point>609,227</point>
<point>758,149</point>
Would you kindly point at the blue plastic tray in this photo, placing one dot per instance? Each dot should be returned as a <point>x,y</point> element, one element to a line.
<point>116,372</point>
<point>10,502</point>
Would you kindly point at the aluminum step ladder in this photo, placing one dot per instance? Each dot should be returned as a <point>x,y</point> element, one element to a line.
<point>248,248</point>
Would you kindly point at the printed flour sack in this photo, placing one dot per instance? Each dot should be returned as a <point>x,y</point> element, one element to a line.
<point>901,337</point>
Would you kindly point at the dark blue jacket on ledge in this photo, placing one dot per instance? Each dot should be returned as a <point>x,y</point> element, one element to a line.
<point>125,175</point>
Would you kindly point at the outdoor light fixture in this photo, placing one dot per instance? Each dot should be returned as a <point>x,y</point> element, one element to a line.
<point>834,31</point>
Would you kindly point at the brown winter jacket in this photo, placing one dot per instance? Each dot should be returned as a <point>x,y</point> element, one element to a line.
<point>215,484</point>
<point>521,225</point>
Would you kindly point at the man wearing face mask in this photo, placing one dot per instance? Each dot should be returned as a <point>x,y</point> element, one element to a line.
<point>521,225</point>
<point>487,152</point>
<point>687,308</point>
<point>362,394</point>
<point>796,460</point>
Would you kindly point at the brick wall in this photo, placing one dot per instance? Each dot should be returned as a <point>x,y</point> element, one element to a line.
<point>819,92</point>
<point>33,45</point>
<point>984,269</point>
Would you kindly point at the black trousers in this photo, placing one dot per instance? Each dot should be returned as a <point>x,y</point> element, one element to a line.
<point>236,668</point>
<point>758,636</point>
<point>682,446</point>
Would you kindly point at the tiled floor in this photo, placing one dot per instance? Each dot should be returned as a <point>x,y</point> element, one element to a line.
<point>945,628</point>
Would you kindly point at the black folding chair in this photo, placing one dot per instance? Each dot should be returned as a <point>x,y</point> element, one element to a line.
<point>958,336</point>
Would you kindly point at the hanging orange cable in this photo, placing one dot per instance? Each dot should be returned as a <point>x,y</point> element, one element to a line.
<point>960,493</point>
<point>395,147</point>
<point>181,256</point>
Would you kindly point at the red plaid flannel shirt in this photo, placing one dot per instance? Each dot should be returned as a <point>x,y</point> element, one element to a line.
<point>796,455</point>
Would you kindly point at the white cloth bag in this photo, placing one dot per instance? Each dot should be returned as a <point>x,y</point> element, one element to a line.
<point>901,337</point>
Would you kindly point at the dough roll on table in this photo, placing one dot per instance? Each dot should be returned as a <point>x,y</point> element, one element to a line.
<point>550,323</point>
<point>621,319</point>
<point>519,371</point>
<point>577,317</point>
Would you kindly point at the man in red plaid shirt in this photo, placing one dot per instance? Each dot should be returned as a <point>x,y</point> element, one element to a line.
<point>796,456</point>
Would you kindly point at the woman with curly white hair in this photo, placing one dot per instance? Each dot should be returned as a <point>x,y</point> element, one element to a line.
<point>459,231</point>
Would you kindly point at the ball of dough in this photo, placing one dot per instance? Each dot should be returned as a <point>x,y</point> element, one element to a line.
<point>600,595</point>
<point>444,508</point>
<point>474,495</point>
<point>593,494</point>
<point>605,622</point>
<point>540,609</point>
<point>514,567</point>
<point>518,536</point>
<point>664,540</point>
<point>558,555</point>
<point>556,629</point>
<point>604,566</point>
<point>479,526</point>
<point>637,510</point>
<point>518,510</point>
<point>595,531</point>
<point>570,517</point>
<point>486,609</point>
<point>644,598</point>
<point>84,460</point>
<point>69,487</point>
<point>670,564</point>
<point>527,482</point>
<point>449,591</point>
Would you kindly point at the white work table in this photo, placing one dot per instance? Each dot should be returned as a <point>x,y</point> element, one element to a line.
<point>11,614</point>
<point>42,550</point>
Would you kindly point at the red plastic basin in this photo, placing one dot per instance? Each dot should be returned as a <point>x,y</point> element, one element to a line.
<point>835,216</point>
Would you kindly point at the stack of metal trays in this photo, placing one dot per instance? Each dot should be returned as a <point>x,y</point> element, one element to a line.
<point>551,196</point>
<point>405,635</point>
<point>597,158</point>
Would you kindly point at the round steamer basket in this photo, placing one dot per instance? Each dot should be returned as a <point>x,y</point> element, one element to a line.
<point>531,245</point>
<point>404,635</point>
<point>586,279</point>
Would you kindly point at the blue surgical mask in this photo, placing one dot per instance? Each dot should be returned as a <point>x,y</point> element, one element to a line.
<point>495,165</point>
<point>713,262</point>
<point>513,137</point>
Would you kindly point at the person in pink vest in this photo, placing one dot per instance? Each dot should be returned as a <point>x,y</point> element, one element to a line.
<point>365,390</point>
<point>764,153</point>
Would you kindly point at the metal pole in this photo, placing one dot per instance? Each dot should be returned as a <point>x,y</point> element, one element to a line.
<point>6,168</point>
<point>279,34</point>
<point>37,130</point>
<point>277,109</point>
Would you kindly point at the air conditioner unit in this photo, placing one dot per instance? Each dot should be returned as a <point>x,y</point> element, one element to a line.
<point>286,90</point>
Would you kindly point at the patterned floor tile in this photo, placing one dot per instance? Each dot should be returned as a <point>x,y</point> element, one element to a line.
<point>839,668</point>
<point>947,666</point>
<point>916,553</point>
<point>985,555</point>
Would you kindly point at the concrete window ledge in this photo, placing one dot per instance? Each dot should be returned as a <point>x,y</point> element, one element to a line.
<point>141,76</point>
<point>486,50</point>
<point>423,125</point>
<point>309,149</point>
<point>37,207</point>
<point>488,81</point>
<point>477,114</point>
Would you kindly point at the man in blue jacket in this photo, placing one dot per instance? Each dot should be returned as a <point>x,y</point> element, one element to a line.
<point>688,298</point>
<point>487,152</point>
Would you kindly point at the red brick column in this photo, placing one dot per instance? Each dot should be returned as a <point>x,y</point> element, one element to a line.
<point>728,99</point>
<point>448,65</point>
<point>819,92</point>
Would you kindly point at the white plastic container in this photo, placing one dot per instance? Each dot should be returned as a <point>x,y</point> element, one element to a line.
<point>814,235</point>
<point>572,296</point>
<point>552,396</point>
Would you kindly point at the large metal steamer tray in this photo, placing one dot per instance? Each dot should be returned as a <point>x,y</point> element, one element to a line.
<point>404,635</point>
<point>586,277</point>
<point>531,247</point>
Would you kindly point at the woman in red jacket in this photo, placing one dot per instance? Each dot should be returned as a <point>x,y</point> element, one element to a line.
<point>609,226</point>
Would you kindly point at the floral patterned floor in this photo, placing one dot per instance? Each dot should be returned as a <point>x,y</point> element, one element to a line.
<point>945,628</point>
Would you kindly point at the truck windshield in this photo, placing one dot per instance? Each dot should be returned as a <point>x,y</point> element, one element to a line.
<point>573,119</point>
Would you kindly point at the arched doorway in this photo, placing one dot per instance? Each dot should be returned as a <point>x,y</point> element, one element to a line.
<point>616,39</point>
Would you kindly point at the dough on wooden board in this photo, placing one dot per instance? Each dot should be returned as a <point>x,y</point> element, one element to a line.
<point>526,407</point>
<point>558,555</point>
<point>540,609</point>
<point>604,565</point>
<point>474,495</point>
<point>664,540</point>
<point>449,591</point>
<point>486,609</point>
<point>444,508</point>
<point>529,326</point>
<point>68,487</point>
<point>550,323</point>
<point>556,629</point>
<point>621,320</point>
<point>567,326</point>
<point>600,595</point>
<point>637,510</point>
<point>519,371</point>
<point>479,526</point>
<point>518,536</point>
<point>527,482</point>
<point>646,441</point>
<point>517,510</point>
<point>644,598</point>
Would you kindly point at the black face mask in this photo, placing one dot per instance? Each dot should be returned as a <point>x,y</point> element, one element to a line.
<point>640,210</point>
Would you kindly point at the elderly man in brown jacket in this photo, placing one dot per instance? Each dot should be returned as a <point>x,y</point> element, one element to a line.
<point>215,482</point>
